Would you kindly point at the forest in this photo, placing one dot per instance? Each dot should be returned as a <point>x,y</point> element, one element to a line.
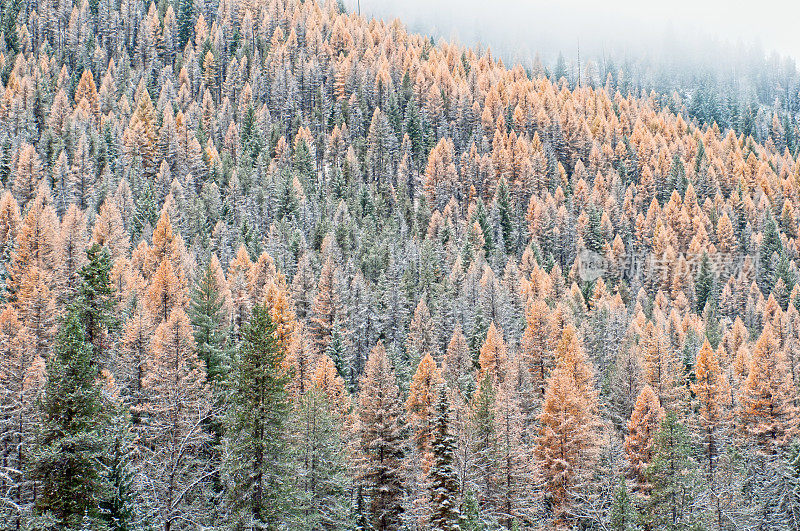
<point>270,265</point>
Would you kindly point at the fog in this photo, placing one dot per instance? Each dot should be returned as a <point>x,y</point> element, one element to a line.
<point>690,30</point>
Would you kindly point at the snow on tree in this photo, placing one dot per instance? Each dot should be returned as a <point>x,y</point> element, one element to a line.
<point>643,425</point>
<point>381,441</point>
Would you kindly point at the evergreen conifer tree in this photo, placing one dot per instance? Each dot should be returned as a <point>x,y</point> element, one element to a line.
<point>442,476</point>
<point>671,477</point>
<point>95,299</point>
<point>208,321</point>
<point>119,507</point>
<point>623,511</point>
<point>257,468</point>
<point>69,448</point>
<point>322,479</point>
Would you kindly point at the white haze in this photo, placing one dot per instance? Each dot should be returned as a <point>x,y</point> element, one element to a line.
<point>692,30</point>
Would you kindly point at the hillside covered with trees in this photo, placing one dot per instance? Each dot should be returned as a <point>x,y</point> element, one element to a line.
<point>269,265</point>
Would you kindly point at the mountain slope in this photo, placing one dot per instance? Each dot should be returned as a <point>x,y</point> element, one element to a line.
<point>576,265</point>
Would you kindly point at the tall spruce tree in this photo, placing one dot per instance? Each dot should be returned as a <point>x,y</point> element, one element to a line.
<point>207,316</point>
<point>208,322</point>
<point>67,458</point>
<point>85,482</point>
<point>671,475</point>
<point>257,469</point>
<point>185,22</point>
<point>442,476</point>
<point>95,301</point>
<point>322,479</point>
<point>623,511</point>
<point>704,284</point>
<point>119,509</point>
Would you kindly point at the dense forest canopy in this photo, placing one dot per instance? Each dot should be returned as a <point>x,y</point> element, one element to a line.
<point>272,265</point>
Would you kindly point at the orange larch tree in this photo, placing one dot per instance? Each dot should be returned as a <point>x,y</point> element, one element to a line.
<point>661,366</point>
<point>493,356</point>
<point>172,434</point>
<point>421,415</point>
<point>422,393</point>
<point>567,442</point>
<point>21,378</point>
<point>767,404</point>
<point>457,364</point>
<point>535,346</point>
<point>642,427</point>
<point>74,241</point>
<point>380,441</point>
<point>109,230</point>
<point>327,307</point>
<point>710,390</point>
<point>441,175</point>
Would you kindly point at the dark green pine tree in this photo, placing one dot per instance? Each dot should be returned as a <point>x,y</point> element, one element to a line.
<point>288,202</point>
<point>671,475</point>
<point>623,511</point>
<point>337,352</point>
<point>111,148</point>
<point>185,22</point>
<point>594,233</point>
<point>393,114</point>
<point>478,335</point>
<point>467,253</point>
<point>118,509</point>
<point>701,148</point>
<point>5,162</point>
<point>322,477</point>
<point>252,143</point>
<point>69,448</point>
<point>470,514</point>
<point>145,202</point>
<point>208,322</point>
<point>257,468</point>
<point>785,272</point>
<point>207,316</point>
<point>704,284</point>
<point>677,176</point>
<point>414,130</point>
<point>95,300</point>
<point>442,476</point>
<point>303,162</point>
<point>770,244</point>
<point>504,210</point>
<point>360,516</point>
<point>482,217</point>
<point>8,20</point>
<point>6,252</point>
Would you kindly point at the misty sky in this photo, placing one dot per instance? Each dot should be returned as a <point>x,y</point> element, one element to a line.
<point>520,28</point>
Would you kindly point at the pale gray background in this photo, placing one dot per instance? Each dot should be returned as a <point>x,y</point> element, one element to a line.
<point>695,30</point>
